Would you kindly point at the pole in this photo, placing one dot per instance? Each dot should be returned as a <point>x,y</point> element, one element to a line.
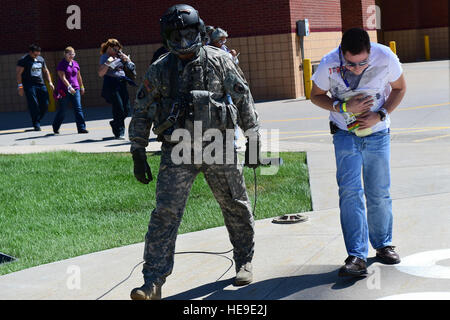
<point>427,47</point>
<point>307,74</point>
<point>393,46</point>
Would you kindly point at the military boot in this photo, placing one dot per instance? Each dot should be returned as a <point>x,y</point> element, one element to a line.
<point>146,292</point>
<point>244,275</point>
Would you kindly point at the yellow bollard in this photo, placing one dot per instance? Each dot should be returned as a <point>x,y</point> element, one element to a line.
<point>393,46</point>
<point>427,48</point>
<point>51,99</point>
<point>307,74</point>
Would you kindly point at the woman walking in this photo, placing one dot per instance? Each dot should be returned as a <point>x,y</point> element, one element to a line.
<point>117,70</point>
<point>69,89</point>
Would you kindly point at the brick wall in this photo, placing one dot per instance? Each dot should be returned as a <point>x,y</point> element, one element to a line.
<point>262,31</point>
<point>131,21</point>
<point>137,22</point>
<point>413,14</point>
<point>351,14</point>
<point>323,15</point>
<point>407,22</point>
<point>17,31</point>
<point>355,14</point>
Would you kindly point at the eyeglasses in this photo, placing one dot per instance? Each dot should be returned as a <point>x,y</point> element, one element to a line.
<point>222,42</point>
<point>71,54</point>
<point>353,64</point>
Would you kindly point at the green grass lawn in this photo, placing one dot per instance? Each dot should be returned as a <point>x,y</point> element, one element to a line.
<point>55,206</point>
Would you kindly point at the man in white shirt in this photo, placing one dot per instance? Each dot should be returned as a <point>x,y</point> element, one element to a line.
<point>366,83</point>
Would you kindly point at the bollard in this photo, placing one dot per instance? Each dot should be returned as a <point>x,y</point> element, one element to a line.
<point>307,74</point>
<point>393,46</point>
<point>427,47</point>
<point>51,99</point>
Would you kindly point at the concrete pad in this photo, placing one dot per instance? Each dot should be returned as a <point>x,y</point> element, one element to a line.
<point>298,261</point>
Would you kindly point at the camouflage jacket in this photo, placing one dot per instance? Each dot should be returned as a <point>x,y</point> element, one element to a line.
<point>168,78</point>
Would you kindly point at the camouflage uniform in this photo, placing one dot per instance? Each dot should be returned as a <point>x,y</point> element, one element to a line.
<point>214,71</point>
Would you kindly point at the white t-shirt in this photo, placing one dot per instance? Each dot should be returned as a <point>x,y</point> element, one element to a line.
<point>384,67</point>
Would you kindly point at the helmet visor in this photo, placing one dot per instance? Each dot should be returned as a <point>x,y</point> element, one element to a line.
<point>184,40</point>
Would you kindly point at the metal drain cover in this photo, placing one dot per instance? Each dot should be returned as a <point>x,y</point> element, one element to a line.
<point>4,258</point>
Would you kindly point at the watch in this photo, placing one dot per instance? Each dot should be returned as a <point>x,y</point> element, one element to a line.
<point>383,113</point>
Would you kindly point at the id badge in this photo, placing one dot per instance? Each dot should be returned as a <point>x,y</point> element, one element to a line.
<point>350,121</point>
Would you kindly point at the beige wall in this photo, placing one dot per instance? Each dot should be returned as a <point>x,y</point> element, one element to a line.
<point>410,43</point>
<point>267,64</point>
<point>316,45</point>
<point>270,63</point>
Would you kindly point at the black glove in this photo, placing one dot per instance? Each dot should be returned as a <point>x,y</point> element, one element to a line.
<point>142,170</point>
<point>253,153</point>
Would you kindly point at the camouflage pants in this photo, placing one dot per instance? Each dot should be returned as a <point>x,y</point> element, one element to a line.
<point>172,190</point>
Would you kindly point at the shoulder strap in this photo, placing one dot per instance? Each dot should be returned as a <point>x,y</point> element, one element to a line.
<point>173,75</point>
<point>205,67</point>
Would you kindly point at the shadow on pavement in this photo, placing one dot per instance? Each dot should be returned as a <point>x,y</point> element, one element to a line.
<point>118,145</point>
<point>126,142</point>
<point>271,289</point>
<point>27,130</point>
<point>95,140</point>
<point>16,120</point>
<point>36,137</point>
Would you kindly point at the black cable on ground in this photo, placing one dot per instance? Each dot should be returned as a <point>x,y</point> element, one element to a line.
<point>221,254</point>
<point>132,270</point>
<point>183,252</point>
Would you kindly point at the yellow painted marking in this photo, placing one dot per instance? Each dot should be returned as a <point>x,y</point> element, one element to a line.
<point>422,128</point>
<point>305,131</point>
<point>295,119</point>
<point>432,138</point>
<point>412,130</point>
<point>423,107</point>
<point>393,131</point>
<point>304,136</point>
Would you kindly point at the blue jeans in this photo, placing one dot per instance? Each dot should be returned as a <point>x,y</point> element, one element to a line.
<point>75,99</point>
<point>37,99</point>
<point>370,156</point>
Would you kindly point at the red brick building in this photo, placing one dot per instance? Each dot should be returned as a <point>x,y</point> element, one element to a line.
<point>264,32</point>
<point>408,21</point>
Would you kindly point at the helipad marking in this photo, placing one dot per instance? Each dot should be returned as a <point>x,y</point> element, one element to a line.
<point>419,296</point>
<point>424,264</point>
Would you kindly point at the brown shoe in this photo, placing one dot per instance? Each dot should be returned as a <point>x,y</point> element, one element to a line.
<point>146,292</point>
<point>353,267</point>
<point>387,255</point>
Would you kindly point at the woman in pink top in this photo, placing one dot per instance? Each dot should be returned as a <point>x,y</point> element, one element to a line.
<point>69,88</point>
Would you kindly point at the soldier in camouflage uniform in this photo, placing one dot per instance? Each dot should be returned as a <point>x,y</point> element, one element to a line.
<point>185,86</point>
